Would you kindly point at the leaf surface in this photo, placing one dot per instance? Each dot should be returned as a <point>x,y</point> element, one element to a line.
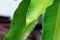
<point>35,9</point>
<point>25,18</point>
<point>51,25</point>
<point>18,22</point>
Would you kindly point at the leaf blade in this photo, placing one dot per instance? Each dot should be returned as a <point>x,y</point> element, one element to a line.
<point>37,8</point>
<point>19,25</point>
<point>19,21</point>
<point>52,22</point>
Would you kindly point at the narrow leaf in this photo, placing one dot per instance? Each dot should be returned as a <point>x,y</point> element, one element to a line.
<point>51,25</point>
<point>19,22</point>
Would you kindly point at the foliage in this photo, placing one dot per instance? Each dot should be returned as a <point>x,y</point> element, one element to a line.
<point>25,18</point>
<point>51,24</point>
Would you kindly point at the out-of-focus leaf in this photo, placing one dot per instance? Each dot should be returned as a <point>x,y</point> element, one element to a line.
<point>36,8</point>
<point>29,29</point>
<point>19,22</point>
<point>25,17</point>
<point>51,25</point>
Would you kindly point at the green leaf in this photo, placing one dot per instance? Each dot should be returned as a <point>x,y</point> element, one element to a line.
<point>51,25</point>
<point>19,22</point>
<point>36,8</point>
<point>25,17</point>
